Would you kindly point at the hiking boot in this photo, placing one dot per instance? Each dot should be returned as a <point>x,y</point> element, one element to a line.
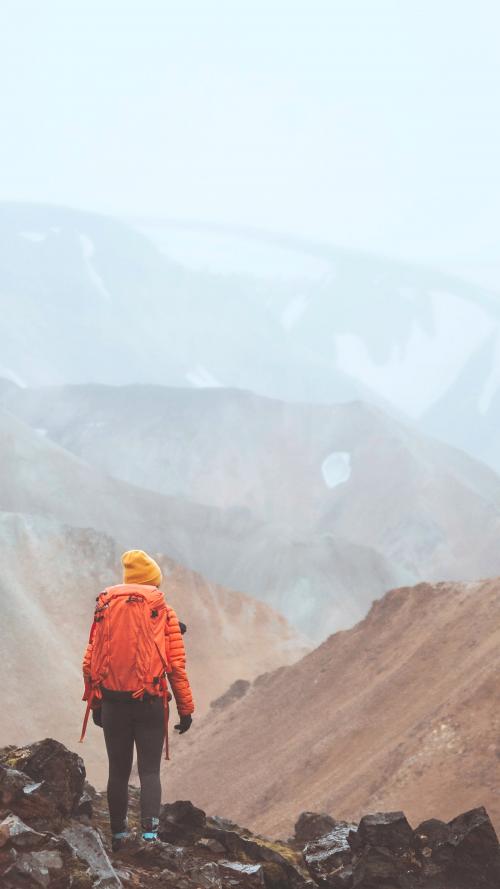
<point>118,836</point>
<point>117,839</point>
<point>150,829</point>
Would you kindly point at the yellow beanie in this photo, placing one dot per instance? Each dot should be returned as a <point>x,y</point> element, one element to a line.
<point>138,567</point>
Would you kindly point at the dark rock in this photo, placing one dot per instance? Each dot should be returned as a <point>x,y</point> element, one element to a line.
<point>474,834</point>
<point>27,799</point>
<point>379,868</point>
<point>328,857</point>
<point>382,854</point>
<point>279,862</point>
<point>84,806</point>
<point>61,771</point>
<point>12,785</point>
<point>476,861</point>
<point>19,835</point>
<point>235,692</point>
<point>463,854</point>
<point>431,834</point>
<point>432,844</point>
<point>181,823</point>
<point>246,876</point>
<point>311,825</point>
<point>388,829</point>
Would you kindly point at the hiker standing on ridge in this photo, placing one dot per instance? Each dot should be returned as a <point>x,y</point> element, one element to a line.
<point>135,642</point>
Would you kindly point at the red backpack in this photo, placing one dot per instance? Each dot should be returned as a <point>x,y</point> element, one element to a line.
<point>128,645</point>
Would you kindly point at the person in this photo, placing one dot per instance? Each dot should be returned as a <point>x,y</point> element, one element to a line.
<point>135,643</point>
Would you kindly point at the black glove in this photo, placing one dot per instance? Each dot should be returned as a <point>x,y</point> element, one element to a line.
<point>97,716</point>
<point>184,725</point>
<point>182,627</point>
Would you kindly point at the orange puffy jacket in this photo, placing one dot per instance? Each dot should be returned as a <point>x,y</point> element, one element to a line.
<point>174,651</point>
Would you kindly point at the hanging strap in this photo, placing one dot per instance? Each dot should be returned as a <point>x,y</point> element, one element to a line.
<point>166,714</point>
<point>166,698</point>
<point>87,714</point>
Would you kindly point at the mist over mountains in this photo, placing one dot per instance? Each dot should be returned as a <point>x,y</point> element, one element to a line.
<point>316,510</point>
<point>213,416</point>
<point>86,298</point>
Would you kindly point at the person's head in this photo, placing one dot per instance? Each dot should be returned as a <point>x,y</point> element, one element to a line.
<point>138,567</point>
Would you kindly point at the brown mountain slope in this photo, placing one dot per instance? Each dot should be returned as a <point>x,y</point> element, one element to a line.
<point>50,576</point>
<point>402,711</point>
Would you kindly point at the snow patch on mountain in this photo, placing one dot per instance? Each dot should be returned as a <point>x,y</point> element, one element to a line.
<point>417,373</point>
<point>202,378</point>
<point>336,468</point>
<point>293,311</point>
<point>88,252</point>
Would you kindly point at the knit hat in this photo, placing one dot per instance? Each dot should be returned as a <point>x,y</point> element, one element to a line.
<point>138,567</point>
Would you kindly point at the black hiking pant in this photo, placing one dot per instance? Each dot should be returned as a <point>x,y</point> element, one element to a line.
<point>125,723</point>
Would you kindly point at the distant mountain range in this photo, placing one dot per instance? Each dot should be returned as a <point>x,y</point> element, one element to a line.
<point>85,298</point>
<point>316,510</point>
<point>325,582</point>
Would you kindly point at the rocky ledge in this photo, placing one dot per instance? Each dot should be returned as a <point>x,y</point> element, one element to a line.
<point>54,835</point>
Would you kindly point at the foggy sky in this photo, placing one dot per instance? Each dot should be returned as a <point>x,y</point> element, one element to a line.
<point>368,123</point>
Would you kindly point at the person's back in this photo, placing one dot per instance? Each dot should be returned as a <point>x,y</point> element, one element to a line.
<point>135,643</point>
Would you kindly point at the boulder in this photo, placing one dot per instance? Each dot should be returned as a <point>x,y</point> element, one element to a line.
<point>328,858</point>
<point>61,771</point>
<point>181,823</point>
<point>382,857</point>
<point>476,859</point>
<point>387,829</point>
<point>312,825</point>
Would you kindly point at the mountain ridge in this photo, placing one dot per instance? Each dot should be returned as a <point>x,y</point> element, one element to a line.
<point>406,705</point>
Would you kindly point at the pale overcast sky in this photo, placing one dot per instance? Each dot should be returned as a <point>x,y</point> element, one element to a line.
<point>367,123</point>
